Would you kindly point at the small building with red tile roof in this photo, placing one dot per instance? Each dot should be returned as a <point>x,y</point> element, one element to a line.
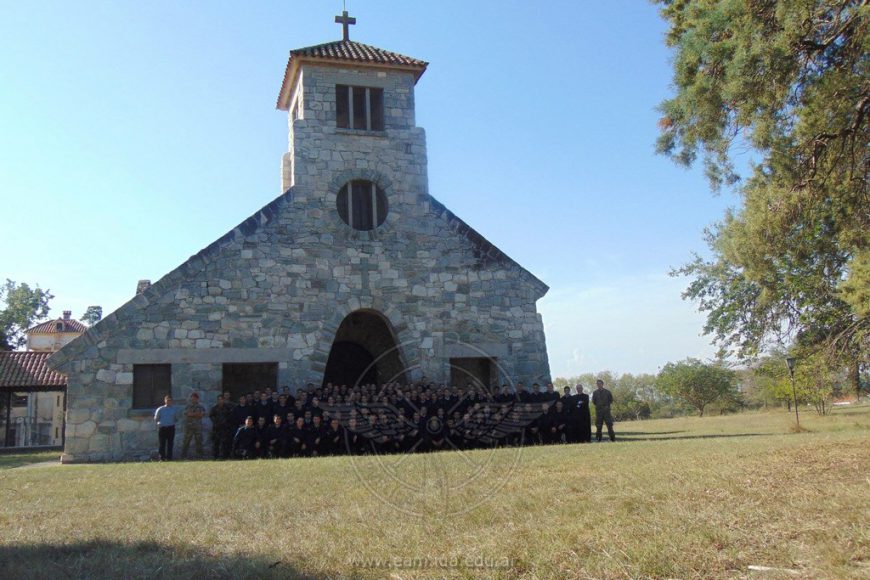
<point>52,335</point>
<point>32,401</point>
<point>32,395</point>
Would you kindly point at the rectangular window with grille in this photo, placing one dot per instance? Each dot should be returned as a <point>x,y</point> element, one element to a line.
<point>150,384</point>
<point>359,108</point>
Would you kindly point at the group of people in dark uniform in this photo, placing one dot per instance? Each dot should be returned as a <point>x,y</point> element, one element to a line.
<point>392,418</point>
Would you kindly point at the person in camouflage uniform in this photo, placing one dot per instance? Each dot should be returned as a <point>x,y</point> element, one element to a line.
<point>222,428</point>
<point>602,399</point>
<point>193,414</point>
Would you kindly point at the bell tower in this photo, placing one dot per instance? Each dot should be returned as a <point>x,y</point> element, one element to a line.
<point>350,107</point>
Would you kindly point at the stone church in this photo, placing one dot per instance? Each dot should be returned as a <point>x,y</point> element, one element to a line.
<point>354,273</point>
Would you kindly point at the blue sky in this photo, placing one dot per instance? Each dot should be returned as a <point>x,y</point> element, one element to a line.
<point>134,134</point>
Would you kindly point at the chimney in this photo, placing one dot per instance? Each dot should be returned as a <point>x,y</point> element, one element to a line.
<point>67,314</point>
<point>142,286</point>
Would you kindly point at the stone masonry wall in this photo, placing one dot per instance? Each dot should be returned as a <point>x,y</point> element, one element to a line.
<point>277,287</point>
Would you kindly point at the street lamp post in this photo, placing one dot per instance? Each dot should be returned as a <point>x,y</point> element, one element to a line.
<point>790,361</point>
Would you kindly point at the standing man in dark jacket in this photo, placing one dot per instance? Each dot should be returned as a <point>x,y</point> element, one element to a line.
<point>222,428</point>
<point>602,399</point>
<point>262,429</point>
<point>551,394</point>
<point>570,401</point>
<point>263,409</point>
<point>583,416</point>
<point>241,412</point>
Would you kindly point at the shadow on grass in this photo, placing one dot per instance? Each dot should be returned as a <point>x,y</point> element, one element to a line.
<point>653,432</point>
<point>628,436</point>
<point>10,460</point>
<point>107,559</point>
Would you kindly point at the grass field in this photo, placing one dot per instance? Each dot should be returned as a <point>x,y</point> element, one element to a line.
<point>679,498</point>
<point>8,460</point>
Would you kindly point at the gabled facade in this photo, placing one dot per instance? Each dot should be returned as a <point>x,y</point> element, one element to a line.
<point>354,274</point>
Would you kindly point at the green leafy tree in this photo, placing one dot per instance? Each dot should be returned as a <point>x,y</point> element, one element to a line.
<point>22,306</point>
<point>789,81</point>
<point>818,380</point>
<point>769,379</point>
<point>634,396</point>
<point>697,383</point>
<point>92,315</point>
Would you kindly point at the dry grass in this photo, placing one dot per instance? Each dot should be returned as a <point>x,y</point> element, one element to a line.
<point>676,498</point>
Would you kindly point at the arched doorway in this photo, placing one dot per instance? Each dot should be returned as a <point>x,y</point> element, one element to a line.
<point>364,351</point>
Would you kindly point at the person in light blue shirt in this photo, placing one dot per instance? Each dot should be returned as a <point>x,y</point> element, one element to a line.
<point>165,418</point>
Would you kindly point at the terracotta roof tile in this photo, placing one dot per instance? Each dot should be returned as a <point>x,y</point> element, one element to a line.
<point>28,369</point>
<point>344,51</point>
<point>50,326</point>
<point>357,52</point>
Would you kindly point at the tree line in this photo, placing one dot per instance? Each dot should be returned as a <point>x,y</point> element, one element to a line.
<point>692,386</point>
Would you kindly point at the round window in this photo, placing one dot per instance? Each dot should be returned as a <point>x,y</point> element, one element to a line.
<point>362,205</point>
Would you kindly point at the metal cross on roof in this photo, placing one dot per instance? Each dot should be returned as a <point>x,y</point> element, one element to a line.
<point>345,22</point>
